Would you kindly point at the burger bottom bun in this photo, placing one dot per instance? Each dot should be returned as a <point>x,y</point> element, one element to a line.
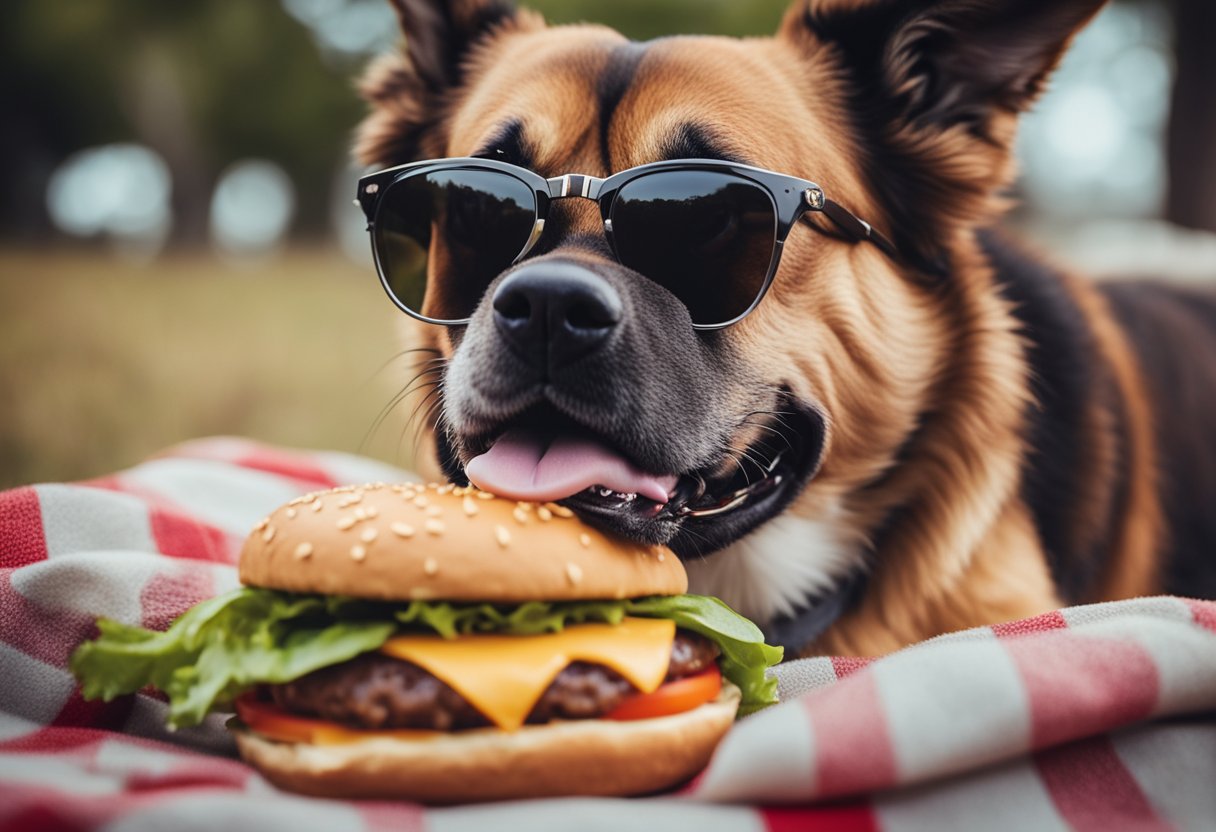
<point>579,757</point>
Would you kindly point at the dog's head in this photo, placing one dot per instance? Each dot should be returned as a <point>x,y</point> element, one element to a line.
<point>903,111</point>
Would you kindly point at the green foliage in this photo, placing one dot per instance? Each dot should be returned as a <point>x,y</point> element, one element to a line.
<point>645,19</point>
<point>212,81</point>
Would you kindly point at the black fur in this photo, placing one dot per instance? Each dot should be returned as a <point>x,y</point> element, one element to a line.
<point>508,145</point>
<point>1068,378</point>
<point>696,141</point>
<point>1174,332</point>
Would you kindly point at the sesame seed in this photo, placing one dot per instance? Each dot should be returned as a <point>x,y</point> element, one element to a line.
<point>368,535</point>
<point>347,502</point>
<point>662,557</point>
<point>433,526</point>
<point>346,522</point>
<point>484,495</point>
<point>360,513</point>
<point>304,550</point>
<point>574,572</point>
<point>446,489</point>
<point>358,552</point>
<point>397,488</point>
<point>433,511</point>
<point>430,566</point>
<point>469,505</point>
<point>268,534</point>
<point>402,530</point>
<point>316,504</point>
<point>261,524</point>
<point>291,513</point>
<point>421,501</point>
<point>560,511</point>
<point>372,511</point>
<point>544,514</point>
<point>584,539</point>
<point>504,536</point>
<point>520,515</point>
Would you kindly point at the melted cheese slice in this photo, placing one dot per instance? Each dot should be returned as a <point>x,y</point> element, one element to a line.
<point>503,676</point>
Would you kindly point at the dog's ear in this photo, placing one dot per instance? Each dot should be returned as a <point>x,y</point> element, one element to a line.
<point>937,86</point>
<point>439,34</point>
<point>410,90</point>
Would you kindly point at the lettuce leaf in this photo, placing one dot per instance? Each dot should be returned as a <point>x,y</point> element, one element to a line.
<point>745,656</point>
<point>228,644</point>
<point>220,648</point>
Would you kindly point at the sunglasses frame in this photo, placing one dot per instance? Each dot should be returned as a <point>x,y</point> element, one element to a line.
<point>791,196</point>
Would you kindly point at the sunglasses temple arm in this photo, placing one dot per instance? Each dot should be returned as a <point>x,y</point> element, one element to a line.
<point>858,229</point>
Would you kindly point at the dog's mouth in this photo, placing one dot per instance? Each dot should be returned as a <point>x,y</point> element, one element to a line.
<point>542,456</point>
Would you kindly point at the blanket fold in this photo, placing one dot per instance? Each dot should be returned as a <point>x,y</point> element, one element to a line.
<point>1092,717</point>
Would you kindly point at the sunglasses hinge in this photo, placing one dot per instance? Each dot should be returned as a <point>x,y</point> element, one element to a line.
<point>814,198</point>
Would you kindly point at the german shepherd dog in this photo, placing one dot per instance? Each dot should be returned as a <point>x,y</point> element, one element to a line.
<point>747,298</point>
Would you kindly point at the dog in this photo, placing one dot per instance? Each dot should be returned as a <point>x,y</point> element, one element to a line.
<point>901,439</point>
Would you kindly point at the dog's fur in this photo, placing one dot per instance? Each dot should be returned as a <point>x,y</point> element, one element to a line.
<point>998,437</point>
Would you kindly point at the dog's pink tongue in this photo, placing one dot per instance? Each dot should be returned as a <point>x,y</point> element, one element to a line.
<point>525,466</point>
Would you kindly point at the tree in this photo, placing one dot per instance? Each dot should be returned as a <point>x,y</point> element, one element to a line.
<point>1191,200</point>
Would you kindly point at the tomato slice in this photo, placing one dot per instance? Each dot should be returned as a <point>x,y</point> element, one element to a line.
<point>671,698</point>
<point>266,718</point>
<point>270,721</point>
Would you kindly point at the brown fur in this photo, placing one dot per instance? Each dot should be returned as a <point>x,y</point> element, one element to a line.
<point>927,383</point>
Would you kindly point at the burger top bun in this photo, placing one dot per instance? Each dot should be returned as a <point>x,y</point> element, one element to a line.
<point>416,542</point>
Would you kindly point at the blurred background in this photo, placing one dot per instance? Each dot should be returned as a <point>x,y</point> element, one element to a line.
<point>179,255</point>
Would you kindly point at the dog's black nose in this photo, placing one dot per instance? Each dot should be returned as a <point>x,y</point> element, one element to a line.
<point>555,312</point>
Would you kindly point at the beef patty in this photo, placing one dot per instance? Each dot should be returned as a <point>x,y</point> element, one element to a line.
<point>377,691</point>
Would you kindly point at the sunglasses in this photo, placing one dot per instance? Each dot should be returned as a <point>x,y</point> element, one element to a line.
<point>709,232</point>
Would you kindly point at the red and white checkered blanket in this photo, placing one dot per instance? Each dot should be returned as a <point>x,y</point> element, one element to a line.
<point>1100,717</point>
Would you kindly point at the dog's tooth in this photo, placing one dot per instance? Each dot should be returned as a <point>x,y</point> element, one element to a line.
<point>606,492</point>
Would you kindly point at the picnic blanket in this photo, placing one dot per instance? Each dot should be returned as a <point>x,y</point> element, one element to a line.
<point>1097,717</point>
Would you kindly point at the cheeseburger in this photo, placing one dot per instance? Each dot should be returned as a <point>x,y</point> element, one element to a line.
<point>441,644</point>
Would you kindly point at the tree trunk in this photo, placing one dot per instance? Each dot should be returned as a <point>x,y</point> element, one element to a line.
<point>157,104</point>
<point>1191,198</point>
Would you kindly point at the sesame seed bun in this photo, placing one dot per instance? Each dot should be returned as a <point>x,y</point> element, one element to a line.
<point>579,757</point>
<point>415,542</point>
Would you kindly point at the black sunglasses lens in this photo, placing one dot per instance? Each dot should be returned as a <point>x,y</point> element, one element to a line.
<point>708,237</point>
<point>442,236</point>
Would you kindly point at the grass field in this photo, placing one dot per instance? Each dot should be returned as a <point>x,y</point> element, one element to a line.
<point>103,363</point>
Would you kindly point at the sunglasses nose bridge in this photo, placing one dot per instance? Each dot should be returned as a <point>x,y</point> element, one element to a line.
<point>575,185</point>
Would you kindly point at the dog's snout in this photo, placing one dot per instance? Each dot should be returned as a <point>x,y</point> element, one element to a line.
<point>555,312</point>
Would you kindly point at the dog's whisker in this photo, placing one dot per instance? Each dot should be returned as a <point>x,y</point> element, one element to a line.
<point>399,397</point>
<point>393,358</point>
<point>436,390</point>
<point>436,408</point>
<point>411,386</point>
